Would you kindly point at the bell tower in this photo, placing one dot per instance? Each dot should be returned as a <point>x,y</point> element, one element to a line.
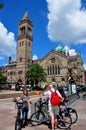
<point>24,47</point>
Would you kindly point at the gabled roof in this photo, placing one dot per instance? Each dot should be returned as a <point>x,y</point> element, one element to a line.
<point>53,51</point>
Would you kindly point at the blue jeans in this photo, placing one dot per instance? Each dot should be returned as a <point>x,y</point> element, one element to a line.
<point>24,114</point>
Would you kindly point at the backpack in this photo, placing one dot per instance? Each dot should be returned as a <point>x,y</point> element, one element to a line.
<point>55,100</point>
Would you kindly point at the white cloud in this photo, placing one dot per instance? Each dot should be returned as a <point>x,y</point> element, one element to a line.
<point>1,58</point>
<point>7,42</point>
<point>72,52</point>
<point>35,57</point>
<point>66,22</point>
<point>84,66</point>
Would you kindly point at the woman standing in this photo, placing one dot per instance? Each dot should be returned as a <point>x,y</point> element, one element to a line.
<point>25,99</point>
<point>53,110</point>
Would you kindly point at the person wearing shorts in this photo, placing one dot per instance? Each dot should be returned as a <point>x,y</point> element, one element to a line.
<point>62,104</point>
<point>53,110</point>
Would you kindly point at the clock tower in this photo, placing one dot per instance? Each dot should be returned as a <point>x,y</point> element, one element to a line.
<point>24,47</point>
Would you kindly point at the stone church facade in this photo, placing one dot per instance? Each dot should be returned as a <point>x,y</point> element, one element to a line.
<point>63,69</point>
<point>58,65</point>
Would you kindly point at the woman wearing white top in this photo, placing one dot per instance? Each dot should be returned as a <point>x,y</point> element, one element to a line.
<point>53,110</point>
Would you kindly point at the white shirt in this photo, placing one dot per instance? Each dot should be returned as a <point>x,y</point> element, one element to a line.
<point>48,93</point>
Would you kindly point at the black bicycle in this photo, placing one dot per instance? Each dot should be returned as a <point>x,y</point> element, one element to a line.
<point>18,121</point>
<point>41,115</point>
<point>72,112</point>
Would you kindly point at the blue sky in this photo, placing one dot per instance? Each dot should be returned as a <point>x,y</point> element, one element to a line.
<point>54,22</point>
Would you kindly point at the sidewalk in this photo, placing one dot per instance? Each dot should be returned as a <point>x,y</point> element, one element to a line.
<point>80,106</point>
<point>8,113</point>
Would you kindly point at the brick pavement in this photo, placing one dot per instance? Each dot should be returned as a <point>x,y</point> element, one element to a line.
<point>8,113</point>
<point>81,110</point>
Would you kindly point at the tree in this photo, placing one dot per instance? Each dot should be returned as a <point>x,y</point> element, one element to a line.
<point>36,73</point>
<point>1,5</point>
<point>3,78</point>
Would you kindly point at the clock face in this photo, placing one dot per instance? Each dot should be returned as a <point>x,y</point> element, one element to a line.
<point>53,60</point>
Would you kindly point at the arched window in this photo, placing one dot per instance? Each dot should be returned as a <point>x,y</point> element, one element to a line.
<point>48,70</point>
<point>29,31</point>
<point>20,59</point>
<point>55,70</point>
<point>58,69</point>
<point>22,31</point>
<point>19,43</point>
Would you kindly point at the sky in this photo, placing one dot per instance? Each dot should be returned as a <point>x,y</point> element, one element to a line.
<point>54,22</point>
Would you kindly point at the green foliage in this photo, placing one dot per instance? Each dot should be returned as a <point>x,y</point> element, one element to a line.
<point>36,72</point>
<point>1,5</point>
<point>3,78</point>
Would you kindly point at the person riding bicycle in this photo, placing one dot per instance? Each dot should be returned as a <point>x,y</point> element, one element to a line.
<point>53,110</point>
<point>25,99</point>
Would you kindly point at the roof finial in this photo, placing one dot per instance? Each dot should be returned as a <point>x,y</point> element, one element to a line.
<point>26,15</point>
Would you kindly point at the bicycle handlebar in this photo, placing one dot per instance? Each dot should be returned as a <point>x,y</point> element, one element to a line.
<point>41,101</point>
<point>19,104</point>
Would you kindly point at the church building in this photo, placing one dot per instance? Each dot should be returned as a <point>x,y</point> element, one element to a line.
<point>58,65</point>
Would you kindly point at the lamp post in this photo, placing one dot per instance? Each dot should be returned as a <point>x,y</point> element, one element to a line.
<point>70,73</point>
<point>72,84</point>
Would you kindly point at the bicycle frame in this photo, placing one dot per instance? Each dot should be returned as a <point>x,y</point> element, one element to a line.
<point>18,117</point>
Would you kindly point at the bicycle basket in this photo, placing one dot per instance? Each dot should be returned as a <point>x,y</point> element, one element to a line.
<point>19,104</point>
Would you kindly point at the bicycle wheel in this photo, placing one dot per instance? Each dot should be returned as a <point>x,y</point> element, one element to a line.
<point>73,113</point>
<point>65,121</point>
<point>36,118</point>
<point>17,124</point>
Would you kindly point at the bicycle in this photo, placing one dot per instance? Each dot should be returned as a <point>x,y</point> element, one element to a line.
<point>41,115</point>
<point>72,112</point>
<point>18,121</point>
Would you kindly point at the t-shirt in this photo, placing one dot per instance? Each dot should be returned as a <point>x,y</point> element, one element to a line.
<point>48,93</point>
<point>25,100</point>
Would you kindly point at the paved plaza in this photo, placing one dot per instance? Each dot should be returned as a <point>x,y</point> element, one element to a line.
<point>8,114</point>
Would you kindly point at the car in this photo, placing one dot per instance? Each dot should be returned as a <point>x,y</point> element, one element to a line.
<point>37,88</point>
<point>81,88</point>
<point>23,88</point>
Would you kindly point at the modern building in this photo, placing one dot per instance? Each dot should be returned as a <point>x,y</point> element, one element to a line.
<point>59,66</point>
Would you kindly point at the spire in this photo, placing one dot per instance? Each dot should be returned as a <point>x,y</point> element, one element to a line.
<point>26,16</point>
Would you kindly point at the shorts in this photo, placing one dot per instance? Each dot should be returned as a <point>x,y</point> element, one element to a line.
<point>62,106</point>
<point>53,110</point>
